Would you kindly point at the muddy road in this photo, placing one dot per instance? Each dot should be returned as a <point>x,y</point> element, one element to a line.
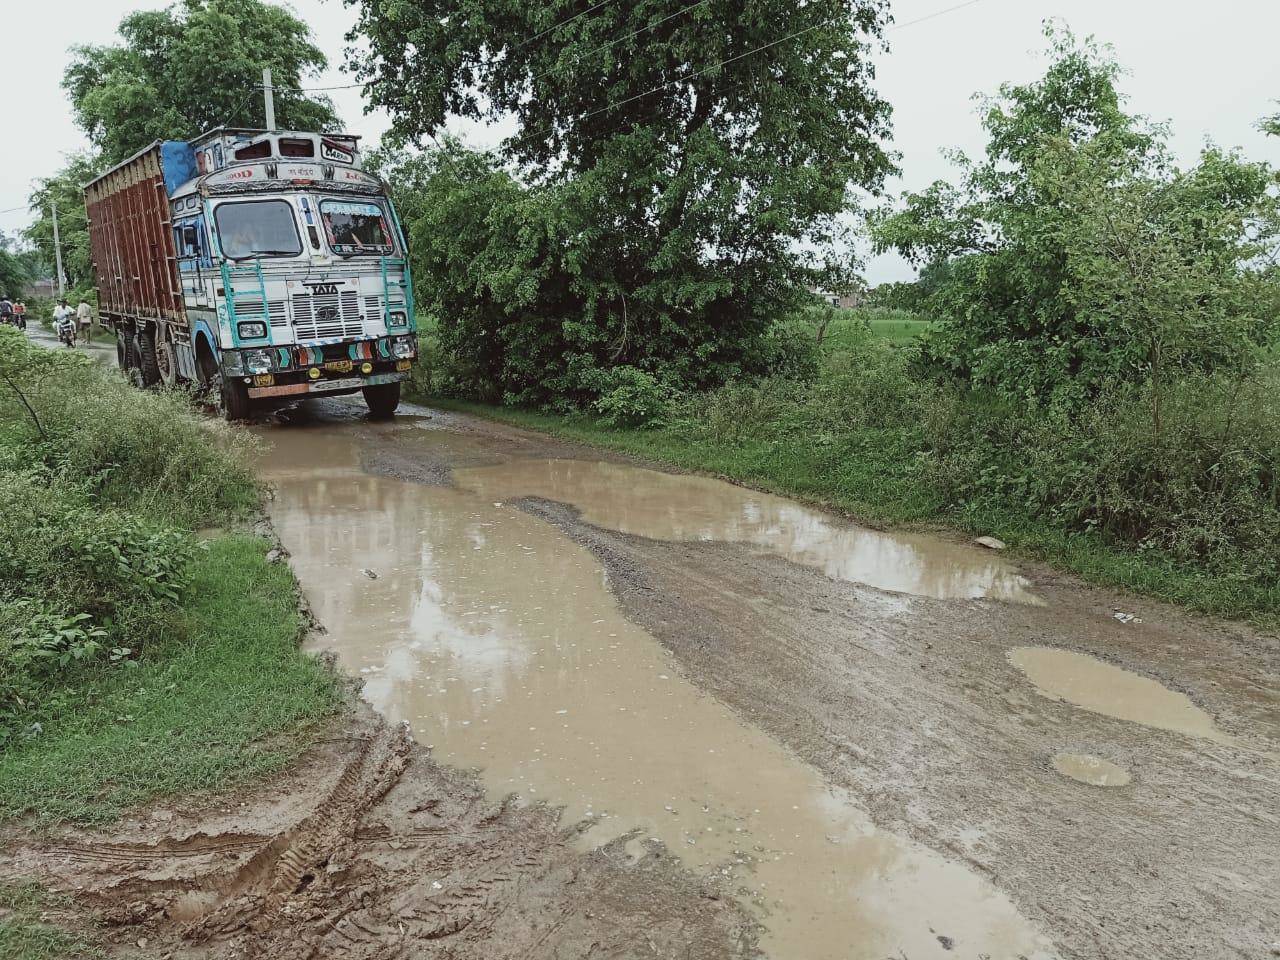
<point>628,713</point>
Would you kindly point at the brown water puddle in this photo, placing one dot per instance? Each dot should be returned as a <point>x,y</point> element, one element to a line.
<point>498,640</point>
<point>667,506</point>
<point>1091,770</point>
<point>1096,685</point>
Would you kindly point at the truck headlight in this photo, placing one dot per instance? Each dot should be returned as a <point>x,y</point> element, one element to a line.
<point>257,361</point>
<point>403,348</point>
<point>251,329</point>
<point>399,318</point>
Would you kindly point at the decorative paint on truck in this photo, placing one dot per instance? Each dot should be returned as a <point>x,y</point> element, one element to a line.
<point>261,266</point>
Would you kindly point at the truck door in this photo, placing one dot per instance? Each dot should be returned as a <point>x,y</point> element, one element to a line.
<point>195,265</point>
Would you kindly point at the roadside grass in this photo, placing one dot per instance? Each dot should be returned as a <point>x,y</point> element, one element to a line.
<point>135,662</point>
<point>232,698</point>
<point>870,477</point>
<point>27,934</point>
<point>1187,516</point>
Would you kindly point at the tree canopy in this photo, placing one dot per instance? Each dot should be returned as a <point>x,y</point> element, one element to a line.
<point>1078,253</point>
<point>679,161</point>
<point>197,64</point>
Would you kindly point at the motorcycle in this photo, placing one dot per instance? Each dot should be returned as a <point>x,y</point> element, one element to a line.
<point>67,332</point>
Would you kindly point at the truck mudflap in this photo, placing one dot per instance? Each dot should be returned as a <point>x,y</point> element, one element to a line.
<point>325,386</point>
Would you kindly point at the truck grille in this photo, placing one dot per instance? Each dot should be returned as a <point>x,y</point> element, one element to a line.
<point>327,316</point>
<point>251,309</point>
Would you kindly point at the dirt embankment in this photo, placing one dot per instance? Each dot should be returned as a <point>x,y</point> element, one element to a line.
<point>369,849</point>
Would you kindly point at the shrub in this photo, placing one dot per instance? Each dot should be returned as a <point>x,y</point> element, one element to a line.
<point>631,397</point>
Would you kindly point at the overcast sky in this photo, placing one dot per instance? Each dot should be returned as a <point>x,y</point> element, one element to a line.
<point>1212,70</point>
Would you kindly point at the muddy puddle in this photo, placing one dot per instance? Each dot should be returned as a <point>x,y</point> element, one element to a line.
<point>497,639</point>
<point>1101,687</point>
<point>1092,770</point>
<point>667,506</point>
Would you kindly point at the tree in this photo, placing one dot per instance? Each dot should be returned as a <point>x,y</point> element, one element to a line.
<point>195,65</point>
<point>678,162</point>
<point>66,188</point>
<point>14,272</point>
<point>1078,254</point>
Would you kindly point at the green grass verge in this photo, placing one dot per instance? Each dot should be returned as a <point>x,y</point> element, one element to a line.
<point>26,934</point>
<point>870,478</point>
<point>231,701</point>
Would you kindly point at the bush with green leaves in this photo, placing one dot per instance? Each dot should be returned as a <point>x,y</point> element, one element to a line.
<point>1076,254</point>
<point>101,485</point>
<point>631,398</point>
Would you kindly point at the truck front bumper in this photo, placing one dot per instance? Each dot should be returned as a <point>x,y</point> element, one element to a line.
<point>332,385</point>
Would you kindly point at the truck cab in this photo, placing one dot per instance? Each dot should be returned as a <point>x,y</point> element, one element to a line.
<point>289,270</point>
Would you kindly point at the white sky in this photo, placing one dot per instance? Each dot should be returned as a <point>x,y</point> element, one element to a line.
<point>1212,70</point>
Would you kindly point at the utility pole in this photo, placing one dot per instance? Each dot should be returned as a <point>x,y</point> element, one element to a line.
<point>57,250</point>
<point>268,95</point>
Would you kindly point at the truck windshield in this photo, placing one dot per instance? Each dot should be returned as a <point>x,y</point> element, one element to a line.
<point>257,228</point>
<point>356,227</point>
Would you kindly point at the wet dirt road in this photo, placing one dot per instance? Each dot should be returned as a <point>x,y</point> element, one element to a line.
<point>657,715</point>
<point>880,745</point>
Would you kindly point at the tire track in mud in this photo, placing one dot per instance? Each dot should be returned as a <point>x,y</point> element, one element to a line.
<point>396,856</point>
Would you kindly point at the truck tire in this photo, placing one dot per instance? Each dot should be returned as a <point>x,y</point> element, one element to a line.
<point>382,399</point>
<point>236,404</point>
<point>167,363</point>
<point>147,359</point>
<point>127,346</point>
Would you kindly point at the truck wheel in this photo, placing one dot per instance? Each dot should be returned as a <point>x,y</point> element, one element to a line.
<point>382,398</point>
<point>127,345</point>
<point>167,363</point>
<point>147,359</point>
<point>235,400</point>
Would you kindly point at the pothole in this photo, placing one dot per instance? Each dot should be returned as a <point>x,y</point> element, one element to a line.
<point>681,507</point>
<point>1092,770</point>
<point>1093,684</point>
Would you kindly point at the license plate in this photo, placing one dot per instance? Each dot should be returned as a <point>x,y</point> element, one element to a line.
<point>403,364</point>
<point>346,384</point>
<point>263,380</point>
<point>338,366</point>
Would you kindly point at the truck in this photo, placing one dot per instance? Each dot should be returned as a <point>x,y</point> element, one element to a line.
<point>259,267</point>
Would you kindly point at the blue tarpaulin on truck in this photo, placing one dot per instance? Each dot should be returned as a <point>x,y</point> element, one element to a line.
<point>178,163</point>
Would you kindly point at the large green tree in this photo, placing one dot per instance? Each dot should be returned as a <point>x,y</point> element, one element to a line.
<point>189,67</point>
<point>675,164</point>
<point>1077,253</point>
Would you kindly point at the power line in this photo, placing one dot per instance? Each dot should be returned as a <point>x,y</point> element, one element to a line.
<point>931,16</point>
<point>557,26</point>
<point>628,36</point>
<point>755,50</point>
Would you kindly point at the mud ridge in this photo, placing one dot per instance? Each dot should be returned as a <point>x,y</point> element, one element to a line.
<point>913,707</point>
<point>368,849</point>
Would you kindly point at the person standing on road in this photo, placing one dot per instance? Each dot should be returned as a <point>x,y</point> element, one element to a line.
<point>84,318</point>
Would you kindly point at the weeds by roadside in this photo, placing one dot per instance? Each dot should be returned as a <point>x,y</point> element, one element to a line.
<point>1190,515</point>
<point>135,661</point>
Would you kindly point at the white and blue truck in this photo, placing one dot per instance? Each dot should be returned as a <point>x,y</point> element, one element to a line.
<point>261,267</point>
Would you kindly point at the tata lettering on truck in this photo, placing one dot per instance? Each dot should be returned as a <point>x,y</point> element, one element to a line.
<point>260,266</point>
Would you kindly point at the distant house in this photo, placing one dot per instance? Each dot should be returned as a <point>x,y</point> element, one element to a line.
<point>41,288</point>
<point>842,301</point>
